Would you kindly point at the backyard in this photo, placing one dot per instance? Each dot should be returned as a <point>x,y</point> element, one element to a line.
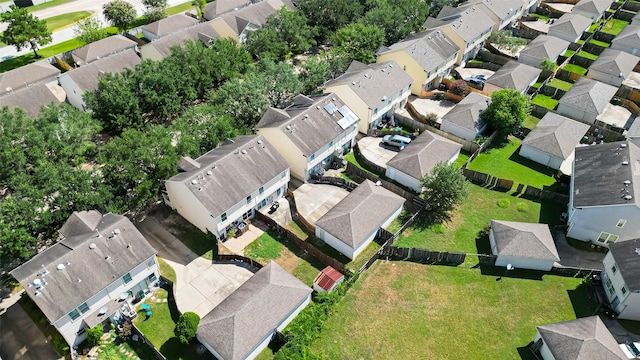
<point>441,312</point>
<point>560,84</point>
<point>545,101</point>
<point>575,69</point>
<point>614,26</point>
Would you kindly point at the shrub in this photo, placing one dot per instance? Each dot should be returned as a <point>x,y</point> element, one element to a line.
<point>503,203</point>
<point>431,118</point>
<point>94,334</point>
<point>459,87</point>
<point>60,345</point>
<point>522,207</point>
<point>125,332</point>
<point>186,327</point>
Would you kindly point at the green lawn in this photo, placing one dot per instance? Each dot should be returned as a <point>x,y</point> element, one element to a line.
<point>62,21</point>
<point>412,311</point>
<point>504,162</point>
<point>537,84</point>
<point>559,84</point>
<point>575,68</point>
<point>614,26</point>
<point>179,8</point>
<point>601,43</point>
<point>462,158</point>
<point>44,53</point>
<point>350,157</point>
<point>587,55</point>
<point>166,270</point>
<point>47,4</point>
<point>197,241</point>
<point>541,17</point>
<point>530,122</point>
<point>545,101</point>
<point>568,53</point>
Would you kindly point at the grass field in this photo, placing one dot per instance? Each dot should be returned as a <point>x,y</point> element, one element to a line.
<point>44,53</point>
<point>62,21</point>
<point>545,101</point>
<point>47,4</point>
<point>462,158</point>
<point>197,241</point>
<point>559,84</point>
<point>179,8</point>
<point>412,311</point>
<point>587,55</point>
<point>530,122</point>
<point>568,53</point>
<point>601,43</point>
<point>614,26</point>
<point>575,68</point>
<point>166,270</point>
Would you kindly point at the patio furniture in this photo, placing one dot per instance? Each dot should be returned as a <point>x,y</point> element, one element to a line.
<point>145,307</point>
<point>149,313</point>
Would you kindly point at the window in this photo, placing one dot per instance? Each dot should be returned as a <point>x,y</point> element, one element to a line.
<point>621,223</point>
<point>126,278</point>
<point>261,190</point>
<point>150,263</point>
<point>278,192</point>
<point>83,308</point>
<point>375,111</point>
<point>248,199</point>
<point>152,278</point>
<point>223,217</point>
<point>74,314</point>
<point>606,238</point>
<point>614,269</point>
<point>331,143</point>
<point>609,286</point>
<point>624,290</point>
<point>81,331</point>
<point>313,156</point>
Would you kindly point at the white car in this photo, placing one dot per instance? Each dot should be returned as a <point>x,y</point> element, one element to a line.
<point>396,140</point>
<point>631,349</point>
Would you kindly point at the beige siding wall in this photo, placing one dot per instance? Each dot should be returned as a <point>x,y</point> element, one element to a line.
<point>417,72</point>
<point>285,147</point>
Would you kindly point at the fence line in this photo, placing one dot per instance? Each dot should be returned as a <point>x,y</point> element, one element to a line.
<point>417,121</point>
<point>239,258</point>
<point>411,197</point>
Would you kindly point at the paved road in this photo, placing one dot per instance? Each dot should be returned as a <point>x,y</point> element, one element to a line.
<point>20,338</point>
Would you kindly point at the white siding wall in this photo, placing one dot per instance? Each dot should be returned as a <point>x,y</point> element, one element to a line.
<point>576,114</point>
<point>587,223</point>
<point>459,131</point>
<point>540,157</point>
<point>518,262</point>
<point>605,78</point>
<point>329,149</point>
<point>545,353</point>
<point>403,178</point>
<point>74,92</point>
<point>631,308</point>
<point>335,243</point>
<point>629,305</point>
<point>391,105</point>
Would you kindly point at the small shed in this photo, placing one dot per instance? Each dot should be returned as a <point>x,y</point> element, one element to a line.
<point>328,279</point>
<point>523,245</point>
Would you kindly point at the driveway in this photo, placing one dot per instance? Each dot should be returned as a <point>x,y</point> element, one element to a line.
<point>373,150</point>
<point>315,200</point>
<point>167,245</point>
<point>20,338</point>
<point>572,257</point>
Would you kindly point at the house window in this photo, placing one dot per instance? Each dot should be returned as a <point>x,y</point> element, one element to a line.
<point>313,156</point>
<point>223,217</point>
<point>150,263</point>
<point>624,290</point>
<point>621,223</point>
<point>127,278</point>
<point>606,238</point>
<point>74,314</point>
<point>261,190</point>
<point>248,199</point>
<point>331,143</point>
<point>614,269</point>
<point>81,331</point>
<point>83,308</point>
<point>375,111</point>
<point>278,192</point>
<point>152,278</point>
<point>609,286</point>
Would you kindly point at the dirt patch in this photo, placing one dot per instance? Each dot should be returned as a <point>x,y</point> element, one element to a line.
<point>288,260</point>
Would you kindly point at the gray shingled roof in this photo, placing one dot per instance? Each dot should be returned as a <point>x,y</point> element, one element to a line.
<point>102,48</point>
<point>430,49</point>
<point>629,37</point>
<point>581,339</point>
<point>306,122</point>
<point>221,7</point>
<point>627,258</point>
<point>571,24</point>
<point>595,7</point>
<point>599,174</point>
<point>503,9</point>
<point>423,153</point>
<point>556,135</point>
<point>615,62</point>
<point>468,24</point>
<point>170,25</point>
<point>588,95</point>
<point>203,32</point>
<point>112,258</point>
<point>26,75</point>
<point>87,76</point>
<point>466,113</point>
<point>545,46</point>
<point>359,214</point>
<point>234,174</point>
<point>514,75</point>
<point>252,312</point>
<point>375,82</point>
<point>525,240</point>
<point>256,14</point>
<point>31,99</point>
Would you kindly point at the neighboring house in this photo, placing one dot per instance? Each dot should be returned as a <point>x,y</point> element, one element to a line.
<point>523,245</point>
<point>101,49</point>
<point>502,12</point>
<point>543,47</point>
<point>581,339</point>
<point>168,25</point>
<point>225,186</point>
<point>78,81</point>
<point>328,279</point>
<point>238,23</point>
<point>586,100</point>
<point>410,165</point>
<point>635,20</point>
<point>31,99</point>
<point>354,222</point>
<point>427,57</point>
<point>512,75</point>
<point>244,323</point>
<point>83,279</point>
<point>528,6</point>
<point>604,193</point>
<point>628,40</point>
<point>553,141</point>
<point>593,9</point>
<point>613,67</point>
<point>161,48</point>
<point>464,119</point>
<point>621,278</point>
<point>310,134</point>
<point>570,27</point>
<point>220,7</point>
<point>373,92</point>
<point>24,76</point>
<point>468,29</point>
<point>634,129</point>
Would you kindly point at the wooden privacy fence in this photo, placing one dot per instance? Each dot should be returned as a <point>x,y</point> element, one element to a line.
<point>423,256</point>
<point>363,160</point>
<point>574,272</point>
<point>239,258</point>
<point>417,121</point>
<point>335,181</point>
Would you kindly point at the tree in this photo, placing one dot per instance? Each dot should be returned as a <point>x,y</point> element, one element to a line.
<point>330,15</point>
<point>548,65</point>
<point>436,5</point>
<point>154,4</point>
<point>397,19</point>
<point>120,14</point>
<point>94,334</point>
<point>156,14</point>
<point>201,6</point>
<point>24,30</point>
<point>285,33</point>
<point>504,40</point>
<point>266,43</point>
<point>506,111</point>
<point>358,41</point>
<point>314,73</point>
<point>186,327</point>
<point>444,189</point>
<point>90,30</point>
<point>459,87</point>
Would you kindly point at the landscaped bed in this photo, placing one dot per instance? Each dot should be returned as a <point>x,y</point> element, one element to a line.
<point>545,101</point>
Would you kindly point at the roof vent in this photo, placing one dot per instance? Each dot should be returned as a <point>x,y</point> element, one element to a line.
<point>103,310</point>
<point>318,107</point>
<point>194,182</point>
<point>628,197</point>
<point>623,145</point>
<point>366,75</point>
<point>60,267</point>
<point>116,231</point>
<point>209,172</point>
<point>288,127</point>
<point>37,283</point>
<point>353,83</point>
<point>378,183</point>
<point>79,280</point>
<point>383,69</point>
<point>243,152</point>
<point>384,98</point>
<point>390,65</point>
<point>637,250</point>
<point>306,116</point>
<point>627,182</point>
<point>37,293</point>
<point>92,246</point>
<point>625,162</point>
<point>259,142</point>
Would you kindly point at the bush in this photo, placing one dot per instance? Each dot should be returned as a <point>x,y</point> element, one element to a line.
<point>94,334</point>
<point>459,87</point>
<point>522,207</point>
<point>125,332</point>
<point>186,327</point>
<point>431,118</point>
<point>503,203</point>
<point>60,344</point>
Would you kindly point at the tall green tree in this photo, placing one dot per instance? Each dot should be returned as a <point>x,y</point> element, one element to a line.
<point>444,188</point>
<point>24,30</point>
<point>285,33</point>
<point>397,19</point>
<point>186,327</point>
<point>120,14</point>
<point>90,30</point>
<point>154,4</point>
<point>506,111</point>
<point>201,6</point>
<point>330,15</point>
<point>548,65</point>
<point>358,41</point>
<point>315,71</point>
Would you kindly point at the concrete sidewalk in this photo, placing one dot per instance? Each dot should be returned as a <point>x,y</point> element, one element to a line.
<point>20,337</point>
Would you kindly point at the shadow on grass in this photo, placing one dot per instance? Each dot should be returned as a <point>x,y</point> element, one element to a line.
<point>584,303</point>
<point>630,325</point>
<point>483,245</point>
<point>515,157</point>
<point>551,213</point>
<point>526,353</point>
<point>501,272</point>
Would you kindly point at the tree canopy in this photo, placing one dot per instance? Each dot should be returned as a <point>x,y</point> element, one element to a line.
<point>90,30</point>
<point>504,40</point>
<point>330,15</point>
<point>120,14</point>
<point>358,41</point>
<point>444,188</point>
<point>506,111</point>
<point>548,65</point>
<point>186,327</point>
<point>24,30</point>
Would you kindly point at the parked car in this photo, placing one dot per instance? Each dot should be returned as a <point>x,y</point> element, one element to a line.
<point>398,141</point>
<point>631,349</point>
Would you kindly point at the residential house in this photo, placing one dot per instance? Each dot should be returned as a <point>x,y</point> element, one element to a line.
<point>86,278</point>
<point>327,280</point>
<point>464,120</point>
<point>593,9</point>
<point>225,186</point>
<point>85,78</point>
<point>634,130</point>
<point>628,40</point>
<point>512,75</point>
<point>570,27</point>
<point>244,323</point>
<point>621,278</point>
<point>468,29</point>
<point>529,6</point>
<point>102,48</point>
<point>310,134</point>
<point>581,339</point>
<point>355,221</point>
<point>24,76</point>
<point>410,165</point>
<point>161,48</point>
<point>238,23</point>
<point>31,99</point>
<point>543,47</point>
<point>613,67</point>
<point>218,8</point>
<point>427,57</point>
<point>523,245</point>
<point>168,25</point>
<point>586,100</point>
<point>553,141</point>
<point>603,201</point>
<point>635,20</point>
<point>503,13</point>
<point>373,92</point>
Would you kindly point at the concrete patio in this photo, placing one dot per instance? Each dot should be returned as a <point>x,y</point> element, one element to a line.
<point>373,150</point>
<point>315,200</point>
<point>427,106</point>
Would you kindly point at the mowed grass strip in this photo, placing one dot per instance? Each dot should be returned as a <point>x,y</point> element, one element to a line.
<point>413,311</point>
<point>545,101</point>
<point>62,21</point>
